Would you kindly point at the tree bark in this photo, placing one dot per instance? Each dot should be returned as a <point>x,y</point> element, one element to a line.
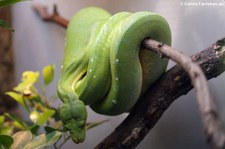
<point>6,63</point>
<point>173,84</point>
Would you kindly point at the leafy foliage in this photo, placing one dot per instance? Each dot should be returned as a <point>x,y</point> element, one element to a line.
<point>5,141</point>
<point>21,138</point>
<point>37,105</point>
<point>26,140</point>
<point>41,114</point>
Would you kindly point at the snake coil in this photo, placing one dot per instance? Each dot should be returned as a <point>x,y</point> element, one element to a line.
<point>104,66</point>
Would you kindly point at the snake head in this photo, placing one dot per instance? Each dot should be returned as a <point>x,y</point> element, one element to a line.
<point>73,116</point>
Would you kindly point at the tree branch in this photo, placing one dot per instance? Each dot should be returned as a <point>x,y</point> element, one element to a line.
<point>54,17</point>
<point>213,129</point>
<point>169,87</point>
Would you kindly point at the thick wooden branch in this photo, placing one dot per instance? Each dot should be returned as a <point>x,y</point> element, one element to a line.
<point>158,98</point>
<point>169,87</point>
<point>213,129</point>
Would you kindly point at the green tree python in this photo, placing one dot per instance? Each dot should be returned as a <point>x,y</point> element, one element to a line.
<point>104,66</point>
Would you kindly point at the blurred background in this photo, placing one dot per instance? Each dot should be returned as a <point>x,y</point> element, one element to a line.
<point>37,44</point>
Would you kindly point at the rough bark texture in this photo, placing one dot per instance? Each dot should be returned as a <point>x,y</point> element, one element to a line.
<point>6,63</point>
<point>158,98</point>
<point>212,124</point>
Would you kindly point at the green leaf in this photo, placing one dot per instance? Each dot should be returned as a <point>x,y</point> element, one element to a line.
<point>6,130</point>
<point>30,77</point>
<point>34,129</point>
<point>19,99</point>
<point>45,116</point>
<point>8,2</point>
<point>17,122</point>
<point>5,25</point>
<point>2,119</point>
<point>48,74</point>
<point>6,141</point>
<point>41,118</point>
<point>28,80</point>
<point>44,140</point>
<point>49,129</point>
<point>21,138</point>
<point>5,127</point>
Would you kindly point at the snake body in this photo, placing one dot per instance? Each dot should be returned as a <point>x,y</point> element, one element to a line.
<point>104,66</point>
